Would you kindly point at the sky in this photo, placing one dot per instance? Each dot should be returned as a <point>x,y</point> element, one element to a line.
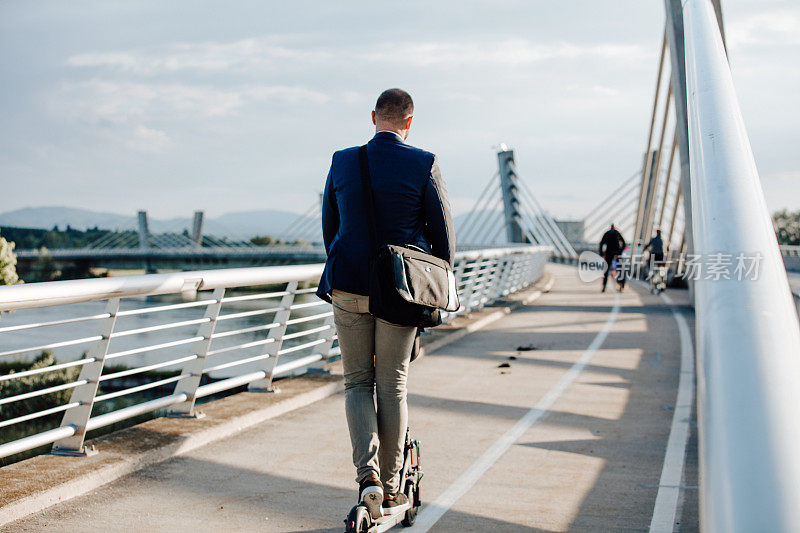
<point>238,105</point>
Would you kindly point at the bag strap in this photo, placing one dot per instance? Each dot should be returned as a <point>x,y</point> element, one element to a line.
<point>366,186</point>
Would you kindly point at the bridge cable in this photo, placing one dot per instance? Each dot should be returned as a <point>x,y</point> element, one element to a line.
<point>469,221</point>
<point>541,218</point>
<point>483,217</point>
<point>550,222</point>
<point>554,232</point>
<point>630,182</point>
<point>613,214</point>
<point>298,221</point>
<point>488,228</point>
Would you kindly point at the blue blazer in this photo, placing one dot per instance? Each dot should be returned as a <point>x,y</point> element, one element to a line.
<point>411,207</point>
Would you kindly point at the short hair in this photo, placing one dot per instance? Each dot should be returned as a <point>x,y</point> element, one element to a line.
<point>394,106</point>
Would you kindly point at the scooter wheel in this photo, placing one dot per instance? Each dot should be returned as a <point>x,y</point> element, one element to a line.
<point>413,496</point>
<point>357,521</point>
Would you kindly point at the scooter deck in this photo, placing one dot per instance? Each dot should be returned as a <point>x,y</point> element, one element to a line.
<point>386,522</point>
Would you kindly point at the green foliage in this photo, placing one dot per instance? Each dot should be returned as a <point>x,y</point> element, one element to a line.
<point>264,240</point>
<point>787,226</point>
<point>8,263</point>
<point>44,268</point>
<point>33,238</point>
<point>33,383</point>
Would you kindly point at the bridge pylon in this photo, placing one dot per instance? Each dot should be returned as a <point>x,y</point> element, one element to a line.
<point>512,208</point>
<point>509,187</point>
<point>144,240</point>
<point>197,229</point>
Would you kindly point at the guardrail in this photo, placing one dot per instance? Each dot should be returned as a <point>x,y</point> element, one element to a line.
<point>791,257</point>
<point>264,333</point>
<point>748,340</point>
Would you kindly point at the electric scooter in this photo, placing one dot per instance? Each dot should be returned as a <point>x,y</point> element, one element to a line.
<point>359,519</point>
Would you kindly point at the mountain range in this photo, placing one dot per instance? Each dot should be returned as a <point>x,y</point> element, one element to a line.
<point>240,224</point>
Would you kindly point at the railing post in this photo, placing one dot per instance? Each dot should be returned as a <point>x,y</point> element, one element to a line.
<point>513,279</point>
<point>276,332</point>
<point>497,288</point>
<point>469,288</point>
<point>530,271</point>
<point>513,275</point>
<point>488,286</point>
<point>79,415</point>
<point>508,273</point>
<point>194,368</point>
<point>489,268</point>
<point>480,285</point>
<point>327,335</point>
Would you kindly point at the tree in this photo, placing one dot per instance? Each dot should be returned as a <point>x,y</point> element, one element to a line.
<point>44,268</point>
<point>8,263</point>
<point>262,240</point>
<point>787,226</point>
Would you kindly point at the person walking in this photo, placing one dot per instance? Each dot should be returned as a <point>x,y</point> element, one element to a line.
<point>411,208</point>
<point>611,245</point>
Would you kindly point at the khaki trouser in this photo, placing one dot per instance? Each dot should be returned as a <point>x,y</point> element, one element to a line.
<point>375,356</point>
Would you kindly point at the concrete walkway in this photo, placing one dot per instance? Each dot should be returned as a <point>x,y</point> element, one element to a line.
<point>570,436</point>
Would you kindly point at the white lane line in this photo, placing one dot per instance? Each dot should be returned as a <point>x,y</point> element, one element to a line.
<point>666,506</point>
<point>433,512</point>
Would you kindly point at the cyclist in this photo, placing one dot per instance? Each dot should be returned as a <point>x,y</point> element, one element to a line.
<point>656,274</point>
<point>611,245</point>
<point>656,246</point>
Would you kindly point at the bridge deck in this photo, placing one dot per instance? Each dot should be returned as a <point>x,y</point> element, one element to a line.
<point>589,459</point>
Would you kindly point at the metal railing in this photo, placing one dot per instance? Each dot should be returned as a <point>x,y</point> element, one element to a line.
<point>215,329</point>
<point>748,340</point>
<point>791,257</point>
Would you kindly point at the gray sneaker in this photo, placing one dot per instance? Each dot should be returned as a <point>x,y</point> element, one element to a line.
<point>392,501</point>
<point>370,493</point>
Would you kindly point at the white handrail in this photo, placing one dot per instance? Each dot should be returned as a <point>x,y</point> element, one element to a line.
<point>748,340</point>
<point>85,290</point>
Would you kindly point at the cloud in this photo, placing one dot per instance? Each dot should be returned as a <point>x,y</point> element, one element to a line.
<point>243,54</point>
<point>780,27</point>
<point>148,140</point>
<point>260,53</point>
<point>593,90</point>
<point>510,52</point>
<point>124,101</point>
<point>570,140</point>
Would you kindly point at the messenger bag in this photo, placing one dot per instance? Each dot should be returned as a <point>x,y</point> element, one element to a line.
<point>407,285</point>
